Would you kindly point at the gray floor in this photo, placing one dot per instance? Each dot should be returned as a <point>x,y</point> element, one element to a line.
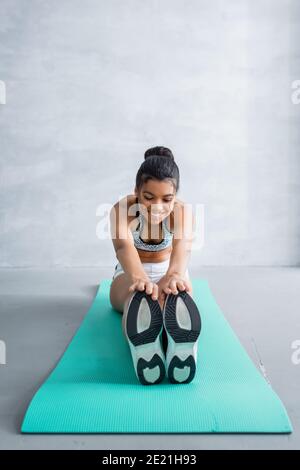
<point>40,310</point>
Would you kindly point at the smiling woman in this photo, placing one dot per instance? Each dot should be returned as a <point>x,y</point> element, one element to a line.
<point>150,228</point>
<point>152,253</point>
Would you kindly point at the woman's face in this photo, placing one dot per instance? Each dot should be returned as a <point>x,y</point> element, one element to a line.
<point>157,200</point>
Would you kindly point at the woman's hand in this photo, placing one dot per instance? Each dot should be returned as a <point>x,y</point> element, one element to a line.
<point>170,284</point>
<point>144,283</point>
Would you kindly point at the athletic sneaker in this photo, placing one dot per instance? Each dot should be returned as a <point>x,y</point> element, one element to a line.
<point>182,323</point>
<point>142,325</point>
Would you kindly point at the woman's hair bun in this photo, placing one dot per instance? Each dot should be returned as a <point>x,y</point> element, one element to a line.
<point>159,152</point>
<point>159,167</point>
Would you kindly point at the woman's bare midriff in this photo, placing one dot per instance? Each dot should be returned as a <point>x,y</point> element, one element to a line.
<point>154,256</point>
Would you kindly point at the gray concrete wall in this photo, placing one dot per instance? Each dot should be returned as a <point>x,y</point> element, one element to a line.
<point>91,85</point>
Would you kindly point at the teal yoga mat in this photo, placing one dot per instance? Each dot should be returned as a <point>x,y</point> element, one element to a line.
<point>94,389</point>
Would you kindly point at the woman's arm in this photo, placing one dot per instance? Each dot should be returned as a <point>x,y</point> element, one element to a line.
<point>127,253</point>
<point>122,239</point>
<point>174,279</point>
<point>184,223</point>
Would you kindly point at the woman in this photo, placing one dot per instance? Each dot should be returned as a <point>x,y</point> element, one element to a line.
<point>152,236</point>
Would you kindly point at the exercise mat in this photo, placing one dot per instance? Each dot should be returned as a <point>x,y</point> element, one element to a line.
<point>94,389</point>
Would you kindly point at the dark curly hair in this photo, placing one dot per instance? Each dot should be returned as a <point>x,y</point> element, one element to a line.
<point>159,164</point>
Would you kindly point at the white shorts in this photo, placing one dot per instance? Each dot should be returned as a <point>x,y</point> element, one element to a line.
<point>155,271</point>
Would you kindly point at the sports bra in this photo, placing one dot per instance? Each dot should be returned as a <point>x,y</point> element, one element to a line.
<point>141,245</point>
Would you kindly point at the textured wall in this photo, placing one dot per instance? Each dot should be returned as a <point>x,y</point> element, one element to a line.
<point>91,85</point>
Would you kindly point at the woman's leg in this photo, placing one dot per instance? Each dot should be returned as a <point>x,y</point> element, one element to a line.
<point>186,277</point>
<point>161,301</point>
<point>119,292</point>
<point>141,326</point>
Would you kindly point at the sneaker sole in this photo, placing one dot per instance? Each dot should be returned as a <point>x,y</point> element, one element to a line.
<point>182,323</point>
<point>145,346</point>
